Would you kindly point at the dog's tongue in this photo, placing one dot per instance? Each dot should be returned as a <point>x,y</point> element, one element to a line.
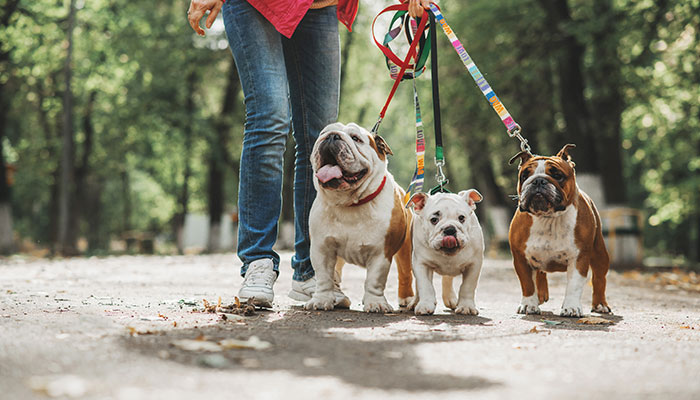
<point>328,172</point>
<point>449,242</point>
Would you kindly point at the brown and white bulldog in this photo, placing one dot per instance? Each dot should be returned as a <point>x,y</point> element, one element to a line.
<point>357,216</point>
<point>556,228</point>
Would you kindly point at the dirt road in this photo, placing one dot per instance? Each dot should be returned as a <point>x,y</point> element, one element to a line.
<point>130,328</point>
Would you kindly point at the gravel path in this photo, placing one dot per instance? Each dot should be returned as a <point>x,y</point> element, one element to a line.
<point>131,327</point>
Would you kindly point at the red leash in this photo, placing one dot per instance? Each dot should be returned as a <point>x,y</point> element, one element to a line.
<point>404,64</point>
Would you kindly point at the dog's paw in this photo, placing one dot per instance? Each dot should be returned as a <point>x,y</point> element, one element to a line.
<point>529,305</point>
<point>571,311</point>
<point>425,308</point>
<point>376,304</point>
<point>601,309</point>
<point>406,302</point>
<point>320,302</point>
<point>467,308</point>
<point>528,309</point>
<point>450,301</point>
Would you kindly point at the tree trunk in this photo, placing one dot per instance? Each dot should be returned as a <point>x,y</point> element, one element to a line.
<point>607,102</point>
<point>6,230</point>
<point>83,204</point>
<point>66,243</point>
<point>184,195</point>
<point>218,157</point>
<point>569,62</point>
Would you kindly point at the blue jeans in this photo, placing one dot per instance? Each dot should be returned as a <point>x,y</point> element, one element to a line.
<point>289,85</point>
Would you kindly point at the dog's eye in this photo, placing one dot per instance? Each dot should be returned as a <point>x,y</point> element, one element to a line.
<point>558,176</point>
<point>462,218</point>
<point>524,176</point>
<point>356,138</point>
<point>434,220</point>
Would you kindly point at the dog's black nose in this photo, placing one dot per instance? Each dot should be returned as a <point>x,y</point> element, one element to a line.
<point>539,182</point>
<point>450,231</point>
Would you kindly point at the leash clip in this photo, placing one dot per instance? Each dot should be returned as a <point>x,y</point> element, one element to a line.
<point>515,132</point>
<point>440,175</point>
<point>376,126</point>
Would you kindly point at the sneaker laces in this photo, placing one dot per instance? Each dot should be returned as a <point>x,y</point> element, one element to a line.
<point>260,275</point>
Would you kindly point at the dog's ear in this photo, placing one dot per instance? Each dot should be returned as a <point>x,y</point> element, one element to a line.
<point>382,147</point>
<point>418,201</point>
<point>471,196</point>
<point>523,156</point>
<point>564,152</point>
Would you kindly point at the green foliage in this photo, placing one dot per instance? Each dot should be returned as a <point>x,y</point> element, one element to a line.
<point>144,64</point>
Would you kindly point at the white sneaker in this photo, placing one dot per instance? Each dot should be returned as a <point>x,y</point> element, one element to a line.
<point>258,283</point>
<point>302,291</point>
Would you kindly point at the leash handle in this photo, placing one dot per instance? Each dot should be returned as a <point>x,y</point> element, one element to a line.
<point>403,63</point>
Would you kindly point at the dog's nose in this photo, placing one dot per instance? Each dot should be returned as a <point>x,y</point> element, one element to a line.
<point>450,231</point>
<point>333,137</point>
<point>539,182</point>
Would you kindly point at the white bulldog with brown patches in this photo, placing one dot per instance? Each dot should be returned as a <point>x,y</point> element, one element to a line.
<point>357,216</point>
<point>556,228</point>
<point>447,239</point>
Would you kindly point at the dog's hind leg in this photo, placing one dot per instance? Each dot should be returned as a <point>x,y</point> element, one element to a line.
<point>403,263</point>
<point>449,298</point>
<point>542,287</point>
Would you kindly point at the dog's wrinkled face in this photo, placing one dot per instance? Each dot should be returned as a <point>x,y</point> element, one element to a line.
<point>344,155</point>
<point>546,184</point>
<point>443,220</point>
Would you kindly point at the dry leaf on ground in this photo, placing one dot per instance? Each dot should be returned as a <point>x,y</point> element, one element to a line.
<point>594,321</point>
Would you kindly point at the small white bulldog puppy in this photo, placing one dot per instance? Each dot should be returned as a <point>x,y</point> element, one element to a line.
<point>357,216</point>
<point>447,239</point>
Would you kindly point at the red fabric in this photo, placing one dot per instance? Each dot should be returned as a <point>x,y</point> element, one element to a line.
<point>285,15</point>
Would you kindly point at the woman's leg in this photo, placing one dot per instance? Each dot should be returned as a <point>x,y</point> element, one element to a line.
<point>257,50</point>
<point>312,58</point>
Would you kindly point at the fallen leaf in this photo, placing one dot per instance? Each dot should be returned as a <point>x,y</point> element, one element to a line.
<point>548,322</point>
<point>237,302</point>
<point>535,330</point>
<point>594,321</point>
<point>135,332</point>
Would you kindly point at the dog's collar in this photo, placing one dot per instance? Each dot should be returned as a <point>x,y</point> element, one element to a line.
<point>371,196</point>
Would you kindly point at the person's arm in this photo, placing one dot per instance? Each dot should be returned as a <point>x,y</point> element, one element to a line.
<point>197,10</point>
<point>416,7</point>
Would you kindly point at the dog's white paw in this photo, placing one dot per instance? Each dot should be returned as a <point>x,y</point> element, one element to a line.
<point>602,309</point>
<point>376,304</point>
<point>425,308</point>
<point>571,311</point>
<point>406,302</point>
<point>529,305</point>
<point>467,308</point>
<point>451,301</point>
<point>320,302</point>
<point>528,309</point>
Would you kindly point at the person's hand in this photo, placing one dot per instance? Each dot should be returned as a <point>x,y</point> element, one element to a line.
<point>197,10</point>
<point>416,7</point>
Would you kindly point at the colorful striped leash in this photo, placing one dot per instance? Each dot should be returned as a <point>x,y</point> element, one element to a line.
<point>512,127</point>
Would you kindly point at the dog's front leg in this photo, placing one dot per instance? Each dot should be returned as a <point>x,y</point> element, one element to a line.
<point>576,277</point>
<point>377,272</point>
<point>467,291</point>
<point>424,287</point>
<point>324,267</point>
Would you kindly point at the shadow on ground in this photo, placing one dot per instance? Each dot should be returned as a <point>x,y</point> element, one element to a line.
<point>366,350</point>
<point>550,320</point>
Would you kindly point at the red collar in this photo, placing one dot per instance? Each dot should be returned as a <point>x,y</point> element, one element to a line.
<point>371,196</point>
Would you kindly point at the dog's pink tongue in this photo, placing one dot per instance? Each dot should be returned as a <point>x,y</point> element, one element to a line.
<point>449,242</point>
<point>328,172</point>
